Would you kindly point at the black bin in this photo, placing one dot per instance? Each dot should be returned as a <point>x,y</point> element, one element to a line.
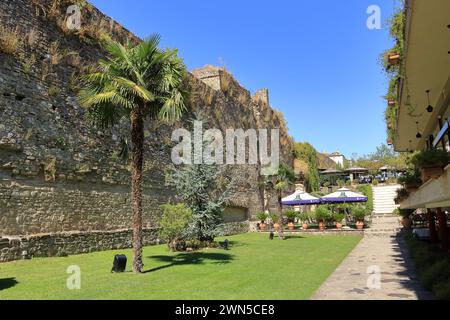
<point>120,263</point>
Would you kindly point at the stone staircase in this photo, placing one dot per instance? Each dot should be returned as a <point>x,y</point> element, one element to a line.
<point>383,199</point>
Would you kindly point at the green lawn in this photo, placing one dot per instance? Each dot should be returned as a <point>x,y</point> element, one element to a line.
<point>254,268</point>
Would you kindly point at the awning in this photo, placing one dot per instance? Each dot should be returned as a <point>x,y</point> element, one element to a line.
<point>300,198</point>
<point>344,195</point>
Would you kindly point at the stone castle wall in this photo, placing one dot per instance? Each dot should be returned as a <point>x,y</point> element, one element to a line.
<point>58,175</point>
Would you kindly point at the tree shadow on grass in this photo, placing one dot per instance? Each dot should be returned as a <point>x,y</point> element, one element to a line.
<point>293,237</point>
<point>196,258</point>
<point>7,283</point>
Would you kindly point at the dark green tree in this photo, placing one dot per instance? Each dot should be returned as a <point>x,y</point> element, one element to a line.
<point>307,153</point>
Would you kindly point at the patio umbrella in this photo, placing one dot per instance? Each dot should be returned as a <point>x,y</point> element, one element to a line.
<point>300,198</point>
<point>344,195</point>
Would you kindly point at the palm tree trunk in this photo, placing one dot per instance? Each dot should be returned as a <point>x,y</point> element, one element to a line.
<point>137,160</point>
<point>280,214</point>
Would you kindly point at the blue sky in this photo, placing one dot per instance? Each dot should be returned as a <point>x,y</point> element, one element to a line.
<point>317,57</point>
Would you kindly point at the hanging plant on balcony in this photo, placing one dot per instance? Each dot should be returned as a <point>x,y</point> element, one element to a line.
<point>431,163</point>
<point>402,195</point>
<point>411,180</point>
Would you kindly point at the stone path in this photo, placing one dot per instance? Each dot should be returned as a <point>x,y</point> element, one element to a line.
<point>378,269</point>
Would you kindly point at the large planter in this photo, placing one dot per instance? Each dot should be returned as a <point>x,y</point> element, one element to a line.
<point>431,173</point>
<point>338,225</point>
<point>305,226</point>
<point>262,227</point>
<point>291,226</point>
<point>407,223</point>
<point>393,58</point>
<point>276,226</point>
<point>360,225</point>
<point>322,226</point>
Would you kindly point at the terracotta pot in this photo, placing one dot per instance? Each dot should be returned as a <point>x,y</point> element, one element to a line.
<point>291,226</point>
<point>322,226</point>
<point>407,223</point>
<point>412,187</point>
<point>276,226</point>
<point>431,173</point>
<point>360,225</point>
<point>393,58</point>
<point>391,102</point>
<point>338,225</point>
<point>305,226</point>
<point>262,227</point>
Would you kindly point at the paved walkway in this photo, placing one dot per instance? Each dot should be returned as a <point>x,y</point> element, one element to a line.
<point>383,252</point>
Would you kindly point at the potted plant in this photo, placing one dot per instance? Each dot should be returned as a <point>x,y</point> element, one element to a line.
<point>405,214</point>
<point>391,102</point>
<point>304,218</point>
<point>411,180</point>
<point>322,214</point>
<point>393,57</point>
<point>402,194</point>
<point>431,163</point>
<point>360,212</point>
<point>338,218</point>
<point>276,219</point>
<point>262,217</point>
<point>291,215</point>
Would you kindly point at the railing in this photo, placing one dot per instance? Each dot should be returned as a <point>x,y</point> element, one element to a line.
<point>441,135</point>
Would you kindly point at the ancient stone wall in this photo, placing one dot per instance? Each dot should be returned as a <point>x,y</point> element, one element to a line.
<point>57,173</point>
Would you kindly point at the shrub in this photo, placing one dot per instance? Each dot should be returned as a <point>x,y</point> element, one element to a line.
<point>262,216</point>
<point>291,215</point>
<point>431,158</point>
<point>375,182</point>
<point>338,217</point>
<point>433,266</point>
<point>173,223</point>
<point>10,41</point>
<point>367,190</point>
<point>275,218</point>
<point>402,194</point>
<point>411,178</point>
<point>359,212</point>
<point>304,217</point>
<point>436,273</point>
<point>322,214</point>
<point>442,290</point>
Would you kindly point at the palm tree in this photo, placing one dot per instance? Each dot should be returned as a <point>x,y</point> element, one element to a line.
<point>284,179</point>
<point>135,82</point>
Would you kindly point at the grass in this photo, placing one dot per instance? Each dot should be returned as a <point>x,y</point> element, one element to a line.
<point>254,268</point>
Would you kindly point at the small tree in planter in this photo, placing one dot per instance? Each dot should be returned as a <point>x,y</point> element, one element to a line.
<point>305,219</point>
<point>322,215</point>
<point>262,217</point>
<point>405,214</point>
<point>360,213</point>
<point>291,215</point>
<point>173,223</point>
<point>431,163</point>
<point>411,180</point>
<point>338,218</point>
<point>276,222</point>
